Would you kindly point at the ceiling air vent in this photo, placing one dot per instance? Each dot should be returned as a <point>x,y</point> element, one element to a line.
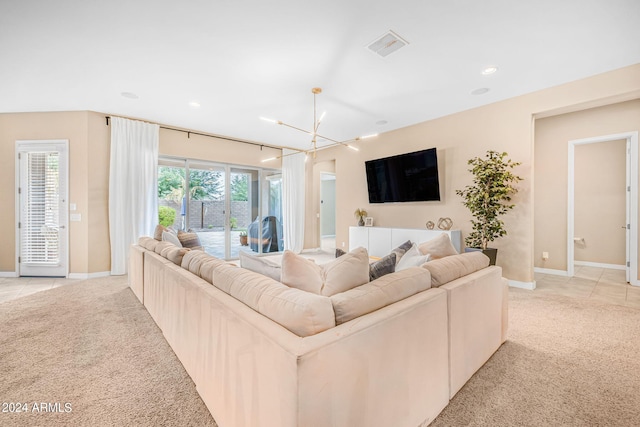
<point>387,44</point>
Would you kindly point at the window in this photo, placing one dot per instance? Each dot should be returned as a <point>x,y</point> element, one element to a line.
<point>231,208</point>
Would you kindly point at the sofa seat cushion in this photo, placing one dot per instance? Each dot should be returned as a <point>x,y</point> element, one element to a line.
<point>381,292</point>
<point>302,313</point>
<point>260,265</point>
<point>343,273</point>
<point>438,247</point>
<point>450,268</point>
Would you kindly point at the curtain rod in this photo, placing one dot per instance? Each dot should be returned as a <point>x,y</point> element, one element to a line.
<point>188,132</point>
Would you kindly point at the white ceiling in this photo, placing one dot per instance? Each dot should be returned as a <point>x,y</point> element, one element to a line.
<point>242,59</point>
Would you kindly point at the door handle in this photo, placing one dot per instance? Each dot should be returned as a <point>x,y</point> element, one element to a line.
<point>62,226</point>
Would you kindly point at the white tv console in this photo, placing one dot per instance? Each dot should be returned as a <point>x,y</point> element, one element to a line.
<point>379,241</point>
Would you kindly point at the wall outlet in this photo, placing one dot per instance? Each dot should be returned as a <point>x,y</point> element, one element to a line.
<point>545,255</point>
<point>72,206</point>
<point>343,244</point>
<point>75,217</point>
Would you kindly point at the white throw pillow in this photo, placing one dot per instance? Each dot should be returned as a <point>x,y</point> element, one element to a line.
<point>339,275</point>
<point>412,258</point>
<point>171,238</point>
<point>438,247</point>
<point>260,265</point>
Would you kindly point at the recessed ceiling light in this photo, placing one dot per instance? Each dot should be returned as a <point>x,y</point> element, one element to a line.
<point>489,70</point>
<point>381,122</point>
<point>129,95</point>
<point>480,91</point>
<point>194,104</point>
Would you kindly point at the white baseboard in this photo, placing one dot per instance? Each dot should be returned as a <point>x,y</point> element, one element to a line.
<point>522,285</point>
<point>8,274</point>
<point>84,276</point>
<point>600,265</point>
<point>551,271</point>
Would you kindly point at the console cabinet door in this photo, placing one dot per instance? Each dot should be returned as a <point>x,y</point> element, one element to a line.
<point>379,241</point>
<point>358,236</point>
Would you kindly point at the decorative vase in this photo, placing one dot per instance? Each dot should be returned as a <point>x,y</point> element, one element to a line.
<point>361,222</point>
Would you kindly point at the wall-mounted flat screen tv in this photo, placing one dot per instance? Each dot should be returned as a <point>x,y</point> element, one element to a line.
<point>410,177</point>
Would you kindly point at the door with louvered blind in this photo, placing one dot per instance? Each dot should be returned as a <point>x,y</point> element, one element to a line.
<point>42,223</point>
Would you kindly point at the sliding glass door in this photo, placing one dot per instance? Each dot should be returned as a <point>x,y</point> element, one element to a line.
<point>230,208</point>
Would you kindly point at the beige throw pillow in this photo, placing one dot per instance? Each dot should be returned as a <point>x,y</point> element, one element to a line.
<point>157,233</point>
<point>412,258</point>
<point>339,275</point>
<point>438,247</point>
<point>171,238</point>
<point>448,269</point>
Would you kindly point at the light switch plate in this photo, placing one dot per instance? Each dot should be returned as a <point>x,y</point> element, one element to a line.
<point>75,217</point>
<point>72,206</point>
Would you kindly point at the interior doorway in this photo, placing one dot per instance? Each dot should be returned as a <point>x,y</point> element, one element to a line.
<point>41,202</point>
<point>592,197</point>
<point>327,211</point>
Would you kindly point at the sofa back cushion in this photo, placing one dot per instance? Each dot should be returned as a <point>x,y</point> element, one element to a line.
<point>444,270</point>
<point>192,261</point>
<point>160,246</point>
<point>208,265</point>
<point>381,292</point>
<point>174,254</point>
<point>343,273</point>
<point>301,312</point>
<point>149,243</point>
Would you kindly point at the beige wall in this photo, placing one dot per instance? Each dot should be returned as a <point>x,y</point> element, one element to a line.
<point>551,140</point>
<point>503,126</point>
<point>600,202</point>
<point>182,145</point>
<point>89,151</point>
<point>72,126</point>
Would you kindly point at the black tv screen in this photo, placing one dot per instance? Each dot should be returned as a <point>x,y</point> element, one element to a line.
<point>411,177</point>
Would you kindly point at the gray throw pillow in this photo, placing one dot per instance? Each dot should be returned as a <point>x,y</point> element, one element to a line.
<point>383,266</point>
<point>401,250</point>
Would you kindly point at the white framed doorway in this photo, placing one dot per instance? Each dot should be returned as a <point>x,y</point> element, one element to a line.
<point>328,211</point>
<point>42,188</point>
<point>631,210</point>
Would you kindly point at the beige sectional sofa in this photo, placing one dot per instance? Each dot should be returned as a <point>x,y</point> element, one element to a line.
<point>391,353</point>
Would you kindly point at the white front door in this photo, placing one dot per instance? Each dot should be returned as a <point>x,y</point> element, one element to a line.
<point>42,236</point>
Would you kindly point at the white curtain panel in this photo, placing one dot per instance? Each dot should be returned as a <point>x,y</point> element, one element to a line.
<point>133,187</point>
<point>293,182</point>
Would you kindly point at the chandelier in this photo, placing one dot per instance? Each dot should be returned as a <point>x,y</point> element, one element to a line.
<point>314,132</point>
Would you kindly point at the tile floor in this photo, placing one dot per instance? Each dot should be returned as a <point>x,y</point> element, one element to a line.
<point>16,287</point>
<point>594,283</point>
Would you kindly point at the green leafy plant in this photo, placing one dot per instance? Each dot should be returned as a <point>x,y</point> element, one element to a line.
<point>166,216</point>
<point>489,197</point>
<point>233,222</point>
<point>243,234</point>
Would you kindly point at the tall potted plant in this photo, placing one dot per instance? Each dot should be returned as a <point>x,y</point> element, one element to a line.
<point>488,198</point>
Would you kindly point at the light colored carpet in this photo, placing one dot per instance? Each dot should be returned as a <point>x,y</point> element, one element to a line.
<point>94,346</point>
<point>568,362</point>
